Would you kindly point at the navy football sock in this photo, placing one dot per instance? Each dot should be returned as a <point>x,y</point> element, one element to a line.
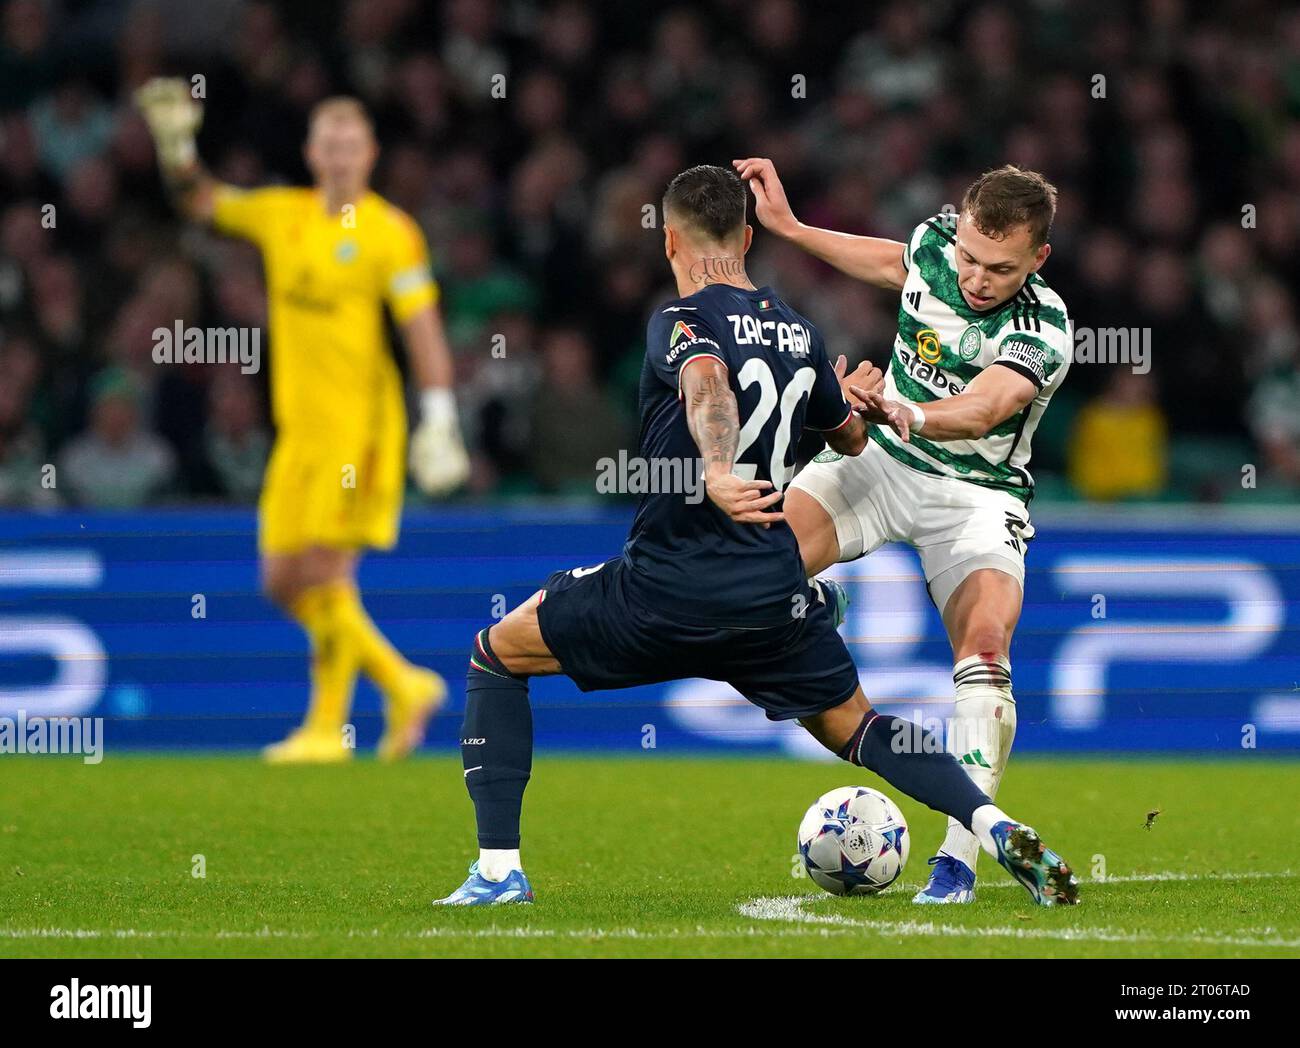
<point>913,760</point>
<point>496,745</point>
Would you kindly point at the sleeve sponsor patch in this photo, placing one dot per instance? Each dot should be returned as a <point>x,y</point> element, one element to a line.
<point>672,338</point>
<point>682,346</point>
<point>1037,359</point>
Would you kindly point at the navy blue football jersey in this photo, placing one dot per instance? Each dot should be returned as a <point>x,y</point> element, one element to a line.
<point>687,557</point>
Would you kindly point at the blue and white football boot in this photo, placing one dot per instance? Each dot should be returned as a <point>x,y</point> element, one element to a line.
<point>835,597</point>
<point>951,881</point>
<point>1044,874</point>
<point>479,891</point>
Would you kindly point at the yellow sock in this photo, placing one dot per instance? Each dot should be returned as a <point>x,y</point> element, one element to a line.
<point>379,660</point>
<point>335,657</point>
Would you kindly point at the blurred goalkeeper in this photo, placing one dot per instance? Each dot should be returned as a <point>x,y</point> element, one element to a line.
<point>334,255</point>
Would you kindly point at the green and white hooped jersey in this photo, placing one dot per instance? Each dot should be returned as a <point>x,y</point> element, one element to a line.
<point>942,344</point>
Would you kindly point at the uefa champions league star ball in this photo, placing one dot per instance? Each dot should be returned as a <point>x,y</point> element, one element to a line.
<point>854,841</point>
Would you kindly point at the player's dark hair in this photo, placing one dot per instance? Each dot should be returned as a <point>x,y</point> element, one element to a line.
<point>1005,198</point>
<point>711,199</point>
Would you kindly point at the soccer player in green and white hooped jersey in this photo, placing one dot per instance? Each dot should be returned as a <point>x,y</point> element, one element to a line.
<point>982,345</point>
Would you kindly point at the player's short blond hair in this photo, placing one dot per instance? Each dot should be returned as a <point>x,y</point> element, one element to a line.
<point>1008,197</point>
<point>339,107</point>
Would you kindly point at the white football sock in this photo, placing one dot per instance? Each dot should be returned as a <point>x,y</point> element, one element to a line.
<point>983,729</point>
<point>983,819</point>
<point>495,864</point>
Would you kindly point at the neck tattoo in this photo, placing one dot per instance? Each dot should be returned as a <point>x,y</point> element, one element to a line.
<point>723,268</point>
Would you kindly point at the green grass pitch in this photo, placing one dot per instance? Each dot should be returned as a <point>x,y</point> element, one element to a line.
<point>646,855</point>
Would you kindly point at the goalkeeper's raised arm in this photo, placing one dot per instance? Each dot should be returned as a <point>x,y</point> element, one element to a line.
<point>871,259</point>
<point>174,116</point>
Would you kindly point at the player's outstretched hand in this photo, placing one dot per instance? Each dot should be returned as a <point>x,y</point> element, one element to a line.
<point>173,115</point>
<point>865,376</point>
<point>770,204</point>
<point>876,408</point>
<point>744,501</point>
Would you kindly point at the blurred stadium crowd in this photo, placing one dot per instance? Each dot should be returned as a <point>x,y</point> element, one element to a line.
<point>1179,172</point>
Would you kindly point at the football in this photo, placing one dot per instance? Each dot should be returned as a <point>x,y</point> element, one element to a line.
<point>854,841</point>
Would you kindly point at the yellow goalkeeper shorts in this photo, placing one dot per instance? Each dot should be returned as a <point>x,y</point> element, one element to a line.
<point>339,498</point>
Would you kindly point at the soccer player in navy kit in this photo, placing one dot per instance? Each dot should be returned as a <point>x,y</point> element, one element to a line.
<point>712,588</point>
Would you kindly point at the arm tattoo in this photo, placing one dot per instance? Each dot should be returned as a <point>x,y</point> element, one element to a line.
<point>713,418</point>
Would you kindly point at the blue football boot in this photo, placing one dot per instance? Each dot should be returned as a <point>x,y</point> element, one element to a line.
<point>835,597</point>
<point>1043,873</point>
<point>479,891</point>
<point>951,880</point>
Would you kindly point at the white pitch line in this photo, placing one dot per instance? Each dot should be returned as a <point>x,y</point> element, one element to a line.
<point>1143,878</point>
<point>788,908</point>
<point>146,933</point>
<point>791,908</point>
<point>803,925</point>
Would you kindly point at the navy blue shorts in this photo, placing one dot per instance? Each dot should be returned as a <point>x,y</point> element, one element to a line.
<point>603,637</point>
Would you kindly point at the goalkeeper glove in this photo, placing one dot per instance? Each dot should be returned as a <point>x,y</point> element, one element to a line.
<point>173,116</point>
<point>438,459</point>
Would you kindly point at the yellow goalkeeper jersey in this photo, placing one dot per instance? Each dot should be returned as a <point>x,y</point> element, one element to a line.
<point>328,278</point>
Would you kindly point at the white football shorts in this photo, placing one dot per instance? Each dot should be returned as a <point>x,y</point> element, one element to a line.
<point>956,526</point>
